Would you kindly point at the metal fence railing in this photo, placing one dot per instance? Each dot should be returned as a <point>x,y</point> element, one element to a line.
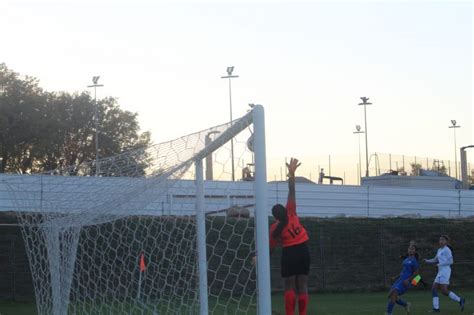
<point>347,254</point>
<point>347,166</point>
<point>365,254</point>
<point>15,276</point>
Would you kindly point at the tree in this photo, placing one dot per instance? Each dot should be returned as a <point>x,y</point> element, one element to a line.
<point>401,171</point>
<point>41,131</point>
<point>439,166</point>
<point>415,169</point>
<point>21,105</point>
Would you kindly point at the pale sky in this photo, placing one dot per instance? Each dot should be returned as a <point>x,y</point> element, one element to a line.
<point>307,63</point>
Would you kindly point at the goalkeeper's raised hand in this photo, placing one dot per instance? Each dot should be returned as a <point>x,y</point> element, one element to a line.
<point>292,166</point>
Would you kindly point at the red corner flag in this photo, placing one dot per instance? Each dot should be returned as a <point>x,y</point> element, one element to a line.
<point>142,262</point>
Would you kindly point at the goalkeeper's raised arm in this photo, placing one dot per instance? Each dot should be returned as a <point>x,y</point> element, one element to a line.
<point>291,203</point>
<point>288,232</point>
<point>292,166</point>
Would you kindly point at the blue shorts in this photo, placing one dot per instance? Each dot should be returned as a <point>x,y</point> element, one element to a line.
<point>400,287</point>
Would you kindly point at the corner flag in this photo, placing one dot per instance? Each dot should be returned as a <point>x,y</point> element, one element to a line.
<point>415,280</point>
<point>142,262</point>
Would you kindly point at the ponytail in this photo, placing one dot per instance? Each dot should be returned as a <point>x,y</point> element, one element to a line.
<point>279,212</point>
<point>451,248</point>
<point>417,256</point>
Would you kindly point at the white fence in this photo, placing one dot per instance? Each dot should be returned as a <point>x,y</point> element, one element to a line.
<point>312,200</point>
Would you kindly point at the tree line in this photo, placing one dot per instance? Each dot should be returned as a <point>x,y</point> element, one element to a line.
<point>42,130</point>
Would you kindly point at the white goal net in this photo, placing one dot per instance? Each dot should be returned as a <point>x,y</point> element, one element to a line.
<point>143,232</point>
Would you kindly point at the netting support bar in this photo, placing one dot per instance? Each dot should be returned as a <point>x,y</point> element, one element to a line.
<point>227,135</point>
<point>201,239</point>
<point>261,213</point>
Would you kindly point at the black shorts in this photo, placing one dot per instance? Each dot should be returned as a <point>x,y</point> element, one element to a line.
<point>295,260</point>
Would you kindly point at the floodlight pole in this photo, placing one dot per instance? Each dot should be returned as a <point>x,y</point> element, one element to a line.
<point>358,132</point>
<point>95,80</point>
<point>230,77</point>
<point>365,103</point>
<point>453,122</point>
<point>464,176</point>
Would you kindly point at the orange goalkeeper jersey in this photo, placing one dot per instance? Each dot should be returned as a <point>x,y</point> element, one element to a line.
<point>293,233</point>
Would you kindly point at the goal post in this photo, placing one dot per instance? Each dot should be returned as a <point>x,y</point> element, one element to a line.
<point>257,117</point>
<point>149,235</point>
<point>261,213</point>
<point>201,239</point>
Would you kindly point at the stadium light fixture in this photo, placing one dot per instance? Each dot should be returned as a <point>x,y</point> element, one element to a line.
<point>358,132</point>
<point>454,126</point>
<point>365,103</point>
<point>95,85</point>
<point>230,77</point>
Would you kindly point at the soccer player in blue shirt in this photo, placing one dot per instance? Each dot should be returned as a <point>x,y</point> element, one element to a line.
<point>410,270</point>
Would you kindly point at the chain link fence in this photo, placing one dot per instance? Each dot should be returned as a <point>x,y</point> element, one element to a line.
<point>347,254</point>
<point>15,276</point>
<point>347,167</point>
<point>365,254</point>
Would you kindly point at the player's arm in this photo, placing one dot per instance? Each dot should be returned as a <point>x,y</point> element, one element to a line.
<point>433,260</point>
<point>394,277</point>
<point>414,274</point>
<point>273,244</point>
<point>292,166</point>
<point>273,241</point>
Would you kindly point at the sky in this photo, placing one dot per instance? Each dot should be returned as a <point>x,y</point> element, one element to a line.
<point>306,62</point>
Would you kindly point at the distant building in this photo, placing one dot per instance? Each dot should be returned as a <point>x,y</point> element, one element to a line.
<point>426,179</point>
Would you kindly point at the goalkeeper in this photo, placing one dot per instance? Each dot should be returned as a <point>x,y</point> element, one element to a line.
<point>409,273</point>
<point>292,236</point>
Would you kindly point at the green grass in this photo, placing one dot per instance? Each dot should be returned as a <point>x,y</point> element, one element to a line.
<point>375,303</point>
<point>328,304</point>
<point>7,308</point>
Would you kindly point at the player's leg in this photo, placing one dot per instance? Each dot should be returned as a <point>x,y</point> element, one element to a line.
<point>444,282</point>
<point>406,305</point>
<point>397,290</point>
<point>290,296</point>
<point>434,293</point>
<point>302,289</point>
<point>302,267</point>
<point>392,298</point>
<point>453,296</point>
<point>288,273</point>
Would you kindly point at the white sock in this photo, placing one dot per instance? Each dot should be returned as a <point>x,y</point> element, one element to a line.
<point>454,297</point>
<point>436,303</point>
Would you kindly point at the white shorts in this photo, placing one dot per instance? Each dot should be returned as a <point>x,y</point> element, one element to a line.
<point>443,276</point>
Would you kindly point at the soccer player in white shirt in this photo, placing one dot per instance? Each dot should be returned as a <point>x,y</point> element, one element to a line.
<point>444,260</point>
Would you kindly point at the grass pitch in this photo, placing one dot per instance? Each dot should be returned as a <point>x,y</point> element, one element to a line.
<point>376,303</point>
<point>328,304</point>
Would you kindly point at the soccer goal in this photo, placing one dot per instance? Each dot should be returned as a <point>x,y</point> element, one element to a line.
<point>159,230</point>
